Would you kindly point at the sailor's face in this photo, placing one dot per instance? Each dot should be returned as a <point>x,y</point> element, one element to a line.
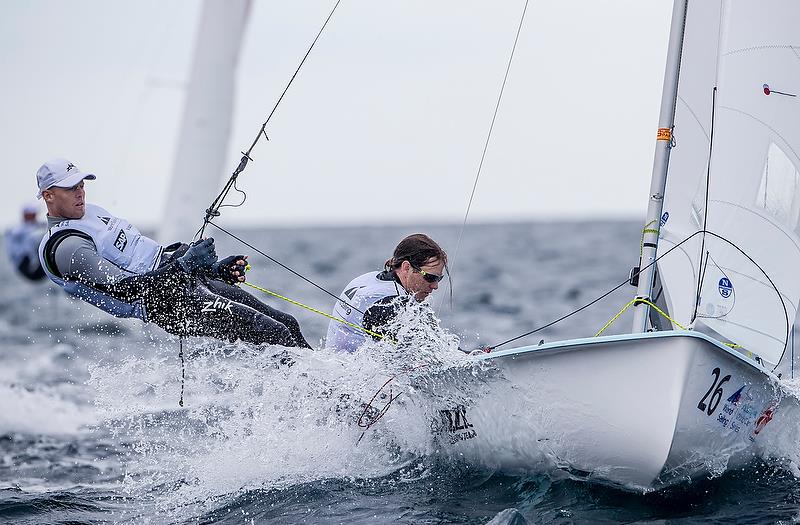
<point>66,202</point>
<point>416,281</point>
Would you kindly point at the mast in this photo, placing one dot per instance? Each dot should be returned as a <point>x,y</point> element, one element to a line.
<point>658,182</point>
<point>205,128</point>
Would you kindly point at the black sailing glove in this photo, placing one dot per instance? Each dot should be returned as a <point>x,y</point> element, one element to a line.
<point>200,255</point>
<point>230,269</point>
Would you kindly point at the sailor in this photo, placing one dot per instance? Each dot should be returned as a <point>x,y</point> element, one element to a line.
<point>22,244</point>
<point>107,262</point>
<point>372,300</point>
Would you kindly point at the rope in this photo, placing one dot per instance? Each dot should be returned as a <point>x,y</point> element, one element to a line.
<point>663,313</point>
<point>213,210</point>
<point>701,268</point>
<point>306,279</point>
<point>601,297</point>
<point>489,135</point>
<point>647,229</point>
<point>309,308</point>
<point>635,301</point>
<point>183,369</point>
<point>366,424</point>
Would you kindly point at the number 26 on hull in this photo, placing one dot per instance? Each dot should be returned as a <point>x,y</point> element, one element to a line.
<point>715,391</point>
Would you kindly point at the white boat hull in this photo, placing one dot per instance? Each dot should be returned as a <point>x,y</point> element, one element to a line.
<point>640,411</point>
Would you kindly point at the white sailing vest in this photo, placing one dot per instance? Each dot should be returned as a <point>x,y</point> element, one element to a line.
<point>117,241</point>
<point>361,293</point>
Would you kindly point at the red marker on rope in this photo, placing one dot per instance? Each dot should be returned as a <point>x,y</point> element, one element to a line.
<point>768,91</point>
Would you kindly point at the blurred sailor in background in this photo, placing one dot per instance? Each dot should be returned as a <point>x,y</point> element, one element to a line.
<point>22,244</point>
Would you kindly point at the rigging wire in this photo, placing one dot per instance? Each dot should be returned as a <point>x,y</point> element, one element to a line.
<point>702,269</point>
<point>303,277</point>
<point>354,326</point>
<point>213,210</point>
<point>183,369</point>
<point>596,300</point>
<point>774,287</point>
<point>634,274</point>
<point>489,136</point>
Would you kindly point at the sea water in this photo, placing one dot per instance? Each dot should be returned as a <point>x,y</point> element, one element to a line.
<point>91,430</point>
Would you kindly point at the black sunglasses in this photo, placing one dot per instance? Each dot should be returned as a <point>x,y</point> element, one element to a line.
<point>430,277</point>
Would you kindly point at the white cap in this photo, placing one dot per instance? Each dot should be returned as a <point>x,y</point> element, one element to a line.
<point>60,173</point>
<point>30,208</point>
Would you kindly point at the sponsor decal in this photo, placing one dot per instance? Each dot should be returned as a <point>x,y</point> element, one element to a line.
<point>454,422</point>
<point>349,293</point>
<point>725,287</point>
<point>664,218</point>
<point>664,134</point>
<point>737,412</point>
<point>765,417</point>
<point>105,220</point>
<point>736,397</point>
<point>344,307</point>
<point>121,242</point>
<point>744,417</point>
<point>218,304</point>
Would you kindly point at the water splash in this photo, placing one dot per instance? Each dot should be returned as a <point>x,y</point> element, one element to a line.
<point>269,417</point>
<point>42,410</point>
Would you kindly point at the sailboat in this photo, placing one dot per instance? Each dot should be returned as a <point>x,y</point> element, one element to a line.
<point>699,384</point>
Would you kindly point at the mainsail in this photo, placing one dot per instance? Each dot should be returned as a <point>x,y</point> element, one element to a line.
<point>736,177</point>
<point>203,141</point>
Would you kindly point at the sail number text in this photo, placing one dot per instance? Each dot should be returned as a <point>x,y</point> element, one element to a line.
<point>716,396</point>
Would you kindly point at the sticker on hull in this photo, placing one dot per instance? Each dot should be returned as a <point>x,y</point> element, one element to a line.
<point>455,424</point>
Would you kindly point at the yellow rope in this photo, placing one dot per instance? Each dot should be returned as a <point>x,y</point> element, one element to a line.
<point>301,305</point>
<point>647,229</point>
<point>660,311</point>
<point>643,301</point>
<point>381,336</point>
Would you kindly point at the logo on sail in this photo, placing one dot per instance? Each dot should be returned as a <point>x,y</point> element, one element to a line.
<point>725,287</point>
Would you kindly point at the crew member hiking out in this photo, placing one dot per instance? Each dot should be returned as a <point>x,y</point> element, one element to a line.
<point>107,262</point>
<point>372,300</point>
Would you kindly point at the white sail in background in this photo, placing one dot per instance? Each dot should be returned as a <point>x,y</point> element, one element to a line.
<point>750,291</point>
<point>204,133</point>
